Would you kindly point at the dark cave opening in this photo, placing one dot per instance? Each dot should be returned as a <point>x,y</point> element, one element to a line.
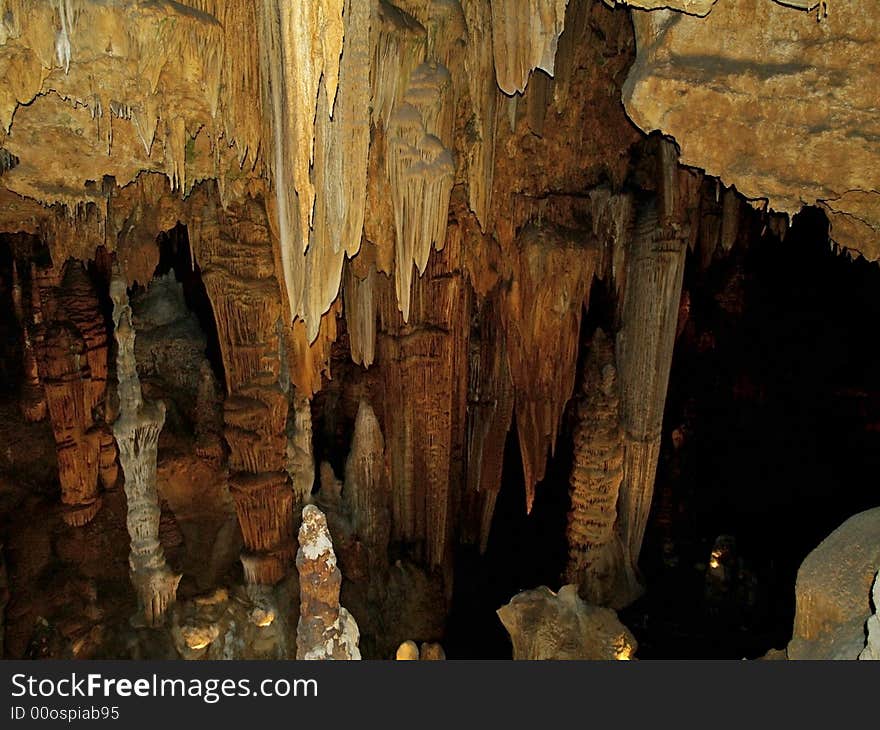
<point>770,426</point>
<point>176,253</point>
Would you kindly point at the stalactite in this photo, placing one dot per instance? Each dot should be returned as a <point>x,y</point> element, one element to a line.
<point>525,35</point>
<point>339,172</point>
<point>300,44</point>
<point>595,554</point>
<point>367,490</point>
<point>137,433</point>
<point>420,169</point>
<point>480,70</point>
<point>326,630</point>
<point>542,327</point>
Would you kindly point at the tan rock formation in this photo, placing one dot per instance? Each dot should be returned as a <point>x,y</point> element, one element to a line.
<point>137,433</point>
<point>325,630</point>
<point>71,355</point>
<point>652,292</point>
<point>833,591</point>
<point>525,34</point>
<point>722,77</point>
<point>547,625</point>
<point>238,267</point>
<point>539,319</point>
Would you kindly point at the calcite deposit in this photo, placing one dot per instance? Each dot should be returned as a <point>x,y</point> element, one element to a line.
<point>379,302</point>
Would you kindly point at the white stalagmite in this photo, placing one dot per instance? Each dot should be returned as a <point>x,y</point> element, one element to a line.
<point>325,629</point>
<point>525,35</point>
<point>137,434</point>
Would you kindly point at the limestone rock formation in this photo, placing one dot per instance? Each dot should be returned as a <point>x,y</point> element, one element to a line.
<point>367,491</point>
<point>71,356</point>
<point>525,35</point>
<point>325,630</point>
<point>137,433</point>
<point>546,321</point>
<point>596,555</point>
<point>833,591</point>
<point>722,77</point>
<point>239,272</point>
<point>547,625</point>
<point>872,648</point>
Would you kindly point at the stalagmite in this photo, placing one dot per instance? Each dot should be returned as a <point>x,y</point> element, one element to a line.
<point>655,269</point>
<point>367,490</point>
<point>325,630</point>
<point>137,433</point>
<point>595,553</point>
<point>525,34</point>
<point>209,416</point>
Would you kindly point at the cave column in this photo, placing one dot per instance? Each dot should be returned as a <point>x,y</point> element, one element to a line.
<point>234,251</point>
<point>645,341</point>
<point>70,344</point>
<point>137,432</point>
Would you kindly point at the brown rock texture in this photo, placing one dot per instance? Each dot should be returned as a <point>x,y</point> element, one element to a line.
<point>771,101</point>
<point>71,356</point>
<point>595,562</point>
<point>547,625</point>
<point>239,274</point>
